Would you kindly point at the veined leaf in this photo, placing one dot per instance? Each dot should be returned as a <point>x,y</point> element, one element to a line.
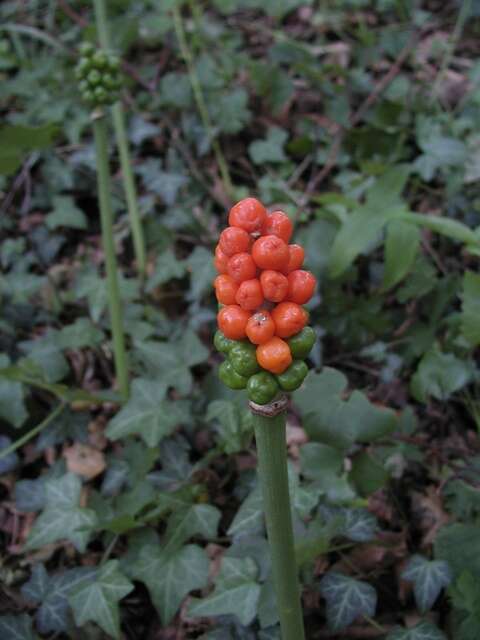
<point>347,599</point>
<point>429,577</point>
<point>97,600</point>
<point>421,631</point>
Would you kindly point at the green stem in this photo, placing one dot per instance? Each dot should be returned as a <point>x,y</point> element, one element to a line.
<point>270,435</point>
<point>104,191</point>
<point>124,152</point>
<point>200,100</point>
<point>33,432</point>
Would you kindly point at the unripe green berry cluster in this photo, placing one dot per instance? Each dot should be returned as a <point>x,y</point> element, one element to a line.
<point>241,370</point>
<point>99,76</point>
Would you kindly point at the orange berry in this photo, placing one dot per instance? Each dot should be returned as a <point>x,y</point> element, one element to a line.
<point>232,321</point>
<point>270,252</point>
<point>274,285</point>
<point>221,260</point>
<point>278,224</point>
<point>248,214</point>
<point>289,318</point>
<point>242,267</point>
<point>274,355</point>
<point>249,295</point>
<point>301,285</point>
<point>260,327</point>
<point>234,240</point>
<point>296,256</point>
<point>225,289</point>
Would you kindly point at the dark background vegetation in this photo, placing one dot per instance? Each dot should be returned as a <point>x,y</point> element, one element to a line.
<point>144,521</point>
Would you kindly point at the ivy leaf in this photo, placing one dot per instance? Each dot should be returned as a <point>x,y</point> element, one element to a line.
<point>236,592</point>
<point>81,333</point>
<point>421,631</point>
<point>17,627</point>
<point>10,461</point>
<point>30,495</point>
<point>249,518</point>
<point>166,184</point>
<point>439,375</point>
<point>347,599</point>
<point>51,592</point>
<point>337,422</point>
<point>401,247</point>
<point>197,519</point>
<point>97,601</point>
<point>270,149</point>
<point>170,576</point>
<point>171,361</point>
<point>429,577</point>
<point>63,518</point>
<point>230,112</point>
<point>167,267</point>
<point>233,425</point>
<point>199,265</point>
<point>148,413</point>
<point>12,404</point>
<point>459,545</point>
<point>471,307</point>
<point>357,524</point>
<point>363,226</point>
<point>47,354</point>
<point>65,214</point>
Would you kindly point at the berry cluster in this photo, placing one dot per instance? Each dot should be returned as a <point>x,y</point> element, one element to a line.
<point>99,76</point>
<point>261,287</point>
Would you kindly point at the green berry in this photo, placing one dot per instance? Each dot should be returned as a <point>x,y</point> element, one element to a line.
<point>108,81</point>
<point>262,387</point>
<point>94,78</point>
<point>230,377</point>
<point>222,343</point>
<point>302,342</point>
<point>88,97</point>
<point>84,66</point>
<point>113,63</point>
<point>87,49</point>
<point>100,60</point>
<point>243,358</point>
<point>101,96</point>
<point>293,377</point>
<point>83,86</point>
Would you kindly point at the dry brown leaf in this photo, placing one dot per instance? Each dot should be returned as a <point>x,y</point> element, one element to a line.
<point>428,510</point>
<point>84,460</point>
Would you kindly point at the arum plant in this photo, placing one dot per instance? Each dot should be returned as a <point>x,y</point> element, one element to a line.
<point>98,74</point>
<point>263,334</point>
<point>124,151</point>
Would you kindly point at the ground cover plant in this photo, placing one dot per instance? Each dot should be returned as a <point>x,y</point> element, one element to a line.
<point>130,504</point>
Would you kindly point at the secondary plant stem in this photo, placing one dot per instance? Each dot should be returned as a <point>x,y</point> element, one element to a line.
<point>124,152</point>
<point>272,461</point>
<point>200,100</point>
<point>104,191</point>
<point>33,432</point>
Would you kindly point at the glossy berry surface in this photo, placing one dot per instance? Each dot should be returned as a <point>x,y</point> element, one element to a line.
<point>262,325</point>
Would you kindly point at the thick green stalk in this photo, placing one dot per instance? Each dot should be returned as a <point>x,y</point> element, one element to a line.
<point>200,100</point>
<point>124,152</point>
<point>104,191</point>
<point>270,435</point>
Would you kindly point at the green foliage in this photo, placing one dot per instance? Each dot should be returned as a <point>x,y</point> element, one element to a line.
<point>346,599</point>
<point>421,631</point>
<point>429,577</point>
<point>381,181</point>
<point>339,423</point>
<point>236,592</point>
<point>63,517</point>
<point>97,600</point>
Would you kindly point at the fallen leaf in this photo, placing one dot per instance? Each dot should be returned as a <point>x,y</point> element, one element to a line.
<point>84,460</point>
